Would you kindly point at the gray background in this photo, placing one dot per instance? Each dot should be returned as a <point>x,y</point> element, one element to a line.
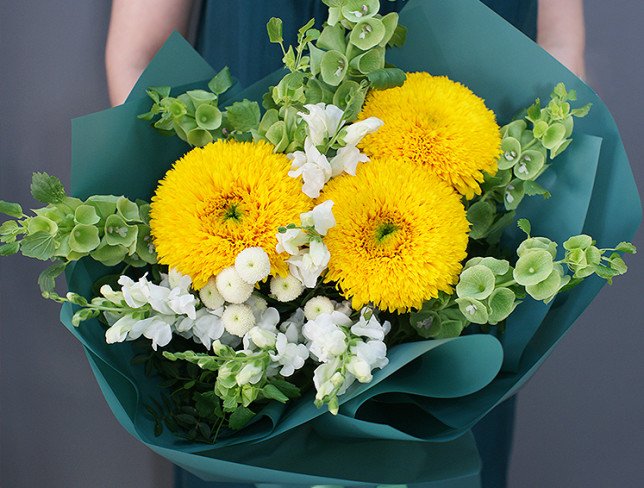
<point>580,420</point>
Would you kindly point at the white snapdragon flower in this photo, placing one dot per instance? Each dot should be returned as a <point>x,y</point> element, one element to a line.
<point>207,328</point>
<point>356,131</point>
<point>317,306</point>
<point>157,328</point>
<point>286,289</point>
<point>238,319</point>
<point>264,334</point>
<point>182,302</point>
<point>111,295</point>
<point>135,294</point>
<point>326,339</point>
<point>257,304</point>
<point>291,241</point>
<point>288,355</point>
<point>323,121</point>
<point>232,287</point>
<point>346,160</point>
<point>320,218</point>
<point>371,328</point>
<point>120,329</point>
<point>367,356</point>
<point>308,267</point>
<point>312,166</point>
<point>251,373</point>
<point>292,327</point>
<point>253,265</point>
<point>327,379</point>
<point>178,280</point>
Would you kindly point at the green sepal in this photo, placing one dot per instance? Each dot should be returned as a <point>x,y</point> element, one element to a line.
<point>84,238</point>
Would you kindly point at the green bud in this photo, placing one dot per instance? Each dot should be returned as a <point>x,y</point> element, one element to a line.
<point>481,216</point>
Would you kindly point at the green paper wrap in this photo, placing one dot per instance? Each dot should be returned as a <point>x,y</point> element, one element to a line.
<point>421,407</point>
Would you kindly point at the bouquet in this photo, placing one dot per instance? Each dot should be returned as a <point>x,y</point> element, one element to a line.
<point>347,263</point>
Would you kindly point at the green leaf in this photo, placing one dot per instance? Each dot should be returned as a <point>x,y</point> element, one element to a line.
<point>480,215</point>
<point>240,418</point>
<point>47,189</point>
<point>525,226</point>
<point>47,279</point>
<point>385,78</point>
<point>289,389</point>
<point>399,37</point>
<point>11,209</point>
<point>582,111</point>
<point>626,247</point>
<point>532,188</point>
<point>40,245</point>
<point>9,249</point>
<point>274,29</point>
<point>221,82</point>
<point>244,115</point>
<point>273,393</point>
<point>158,92</point>
<point>390,21</point>
<point>534,111</point>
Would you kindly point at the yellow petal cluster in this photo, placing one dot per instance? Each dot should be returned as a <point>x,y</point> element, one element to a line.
<point>438,124</point>
<point>217,201</point>
<point>400,235</point>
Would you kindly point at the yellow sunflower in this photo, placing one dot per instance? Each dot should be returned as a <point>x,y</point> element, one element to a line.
<point>220,199</point>
<point>399,238</point>
<point>436,123</point>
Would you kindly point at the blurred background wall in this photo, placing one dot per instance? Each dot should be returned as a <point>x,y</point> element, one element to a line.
<point>580,419</point>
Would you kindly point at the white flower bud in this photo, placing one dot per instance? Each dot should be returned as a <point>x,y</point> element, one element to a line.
<point>286,289</point>
<point>232,287</point>
<point>238,319</point>
<point>210,296</point>
<point>253,265</point>
<point>317,306</point>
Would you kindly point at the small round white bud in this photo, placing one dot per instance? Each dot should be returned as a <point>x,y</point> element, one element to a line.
<point>232,287</point>
<point>286,289</point>
<point>210,296</point>
<point>238,319</point>
<point>253,265</point>
<point>316,306</point>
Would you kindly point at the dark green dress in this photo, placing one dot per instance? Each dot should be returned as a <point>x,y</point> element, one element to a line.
<point>226,26</point>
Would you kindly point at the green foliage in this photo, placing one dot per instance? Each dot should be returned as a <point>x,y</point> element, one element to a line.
<point>47,189</point>
<point>527,146</point>
<point>107,228</point>
<point>11,209</point>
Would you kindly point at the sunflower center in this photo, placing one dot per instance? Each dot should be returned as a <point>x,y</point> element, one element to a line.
<point>385,230</point>
<point>227,209</point>
<point>232,212</point>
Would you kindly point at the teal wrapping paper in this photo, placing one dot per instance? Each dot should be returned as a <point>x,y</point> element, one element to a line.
<point>421,407</point>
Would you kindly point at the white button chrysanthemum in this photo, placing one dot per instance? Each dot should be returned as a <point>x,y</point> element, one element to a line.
<point>232,287</point>
<point>253,265</point>
<point>286,289</point>
<point>317,306</point>
<point>238,319</point>
<point>210,296</point>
